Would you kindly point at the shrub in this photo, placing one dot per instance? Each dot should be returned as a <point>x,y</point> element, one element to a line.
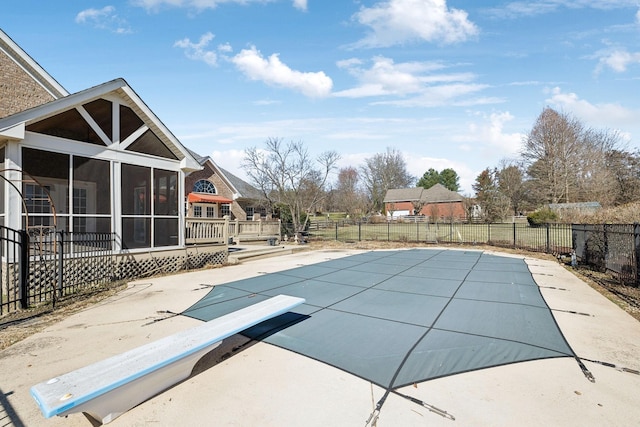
<point>542,216</point>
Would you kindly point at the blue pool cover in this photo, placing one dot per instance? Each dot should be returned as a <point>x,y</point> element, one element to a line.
<point>404,316</point>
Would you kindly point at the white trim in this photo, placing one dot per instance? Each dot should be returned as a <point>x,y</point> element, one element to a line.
<point>13,133</point>
<point>133,137</point>
<point>96,128</point>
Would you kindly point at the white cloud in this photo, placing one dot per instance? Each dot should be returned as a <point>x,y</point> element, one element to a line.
<point>396,22</point>
<point>599,115</point>
<point>618,60</point>
<point>198,51</point>
<point>104,19</point>
<point>491,134</point>
<point>517,9</point>
<point>274,72</point>
<point>415,83</point>
<point>300,4</point>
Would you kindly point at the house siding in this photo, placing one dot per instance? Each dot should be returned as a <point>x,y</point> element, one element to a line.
<point>18,90</point>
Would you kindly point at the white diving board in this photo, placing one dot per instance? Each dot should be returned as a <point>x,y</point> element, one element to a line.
<point>108,388</point>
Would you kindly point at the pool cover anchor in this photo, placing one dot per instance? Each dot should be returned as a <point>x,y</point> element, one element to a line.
<point>431,408</point>
<point>585,371</point>
<point>373,417</point>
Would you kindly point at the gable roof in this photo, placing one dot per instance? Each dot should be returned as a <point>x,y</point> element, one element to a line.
<point>403,194</point>
<point>436,194</point>
<point>13,127</point>
<point>440,193</point>
<point>31,67</point>
<point>240,188</point>
<point>245,189</point>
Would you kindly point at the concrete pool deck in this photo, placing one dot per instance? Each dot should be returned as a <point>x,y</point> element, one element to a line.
<point>265,385</point>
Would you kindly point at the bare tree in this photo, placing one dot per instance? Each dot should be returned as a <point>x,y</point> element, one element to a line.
<point>286,174</point>
<point>383,172</point>
<point>567,162</point>
<point>551,155</point>
<point>348,196</point>
<point>511,184</point>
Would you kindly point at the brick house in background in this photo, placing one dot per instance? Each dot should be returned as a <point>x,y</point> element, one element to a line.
<point>437,203</point>
<point>213,192</point>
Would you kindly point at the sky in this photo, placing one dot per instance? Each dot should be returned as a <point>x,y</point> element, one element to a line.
<point>447,83</point>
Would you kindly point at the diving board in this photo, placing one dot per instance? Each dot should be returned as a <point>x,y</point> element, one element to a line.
<point>108,388</point>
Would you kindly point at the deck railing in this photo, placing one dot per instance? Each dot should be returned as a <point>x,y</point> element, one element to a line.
<point>222,230</point>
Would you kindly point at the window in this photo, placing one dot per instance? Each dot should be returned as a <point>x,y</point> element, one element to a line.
<point>204,186</point>
<point>225,209</point>
<point>197,211</point>
<point>211,211</point>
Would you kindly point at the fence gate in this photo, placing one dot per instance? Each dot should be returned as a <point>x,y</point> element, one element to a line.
<point>14,269</point>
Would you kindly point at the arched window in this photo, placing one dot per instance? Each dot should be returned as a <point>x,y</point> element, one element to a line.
<point>204,186</point>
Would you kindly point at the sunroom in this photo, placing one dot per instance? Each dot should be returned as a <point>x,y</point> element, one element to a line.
<point>95,161</point>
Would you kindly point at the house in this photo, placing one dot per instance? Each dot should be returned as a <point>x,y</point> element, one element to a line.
<point>436,203</point>
<point>213,192</point>
<point>95,161</point>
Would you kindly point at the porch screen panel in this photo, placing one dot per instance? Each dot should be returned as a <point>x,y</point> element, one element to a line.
<point>165,231</point>
<point>51,173</point>
<point>166,190</point>
<point>136,206</point>
<point>91,195</point>
<point>165,208</point>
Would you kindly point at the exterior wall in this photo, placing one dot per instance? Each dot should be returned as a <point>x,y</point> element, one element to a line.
<point>438,210</point>
<point>222,189</point>
<point>445,210</point>
<point>18,91</point>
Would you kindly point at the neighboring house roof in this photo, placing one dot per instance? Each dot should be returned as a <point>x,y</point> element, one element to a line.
<point>246,190</point>
<point>436,194</point>
<point>439,193</point>
<point>403,195</point>
<point>35,71</point>
<point>240,188</point>
<point>13,127</point>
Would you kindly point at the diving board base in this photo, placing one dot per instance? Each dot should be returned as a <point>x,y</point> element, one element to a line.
<point>108,388</point>
<point>108,406</point>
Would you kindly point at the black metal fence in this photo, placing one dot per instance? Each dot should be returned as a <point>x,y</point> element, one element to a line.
<point>611,248</point>
<point>43,265</point>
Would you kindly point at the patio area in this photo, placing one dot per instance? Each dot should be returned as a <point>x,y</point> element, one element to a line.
<point>298,374</point>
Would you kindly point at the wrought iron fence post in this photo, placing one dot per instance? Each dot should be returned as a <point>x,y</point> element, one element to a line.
<point>548,242</point>
<point>514,234</point>
<point>359,231</point>
<point>60,264</point>
<point>336,231</point>
<point>23,268</point>
<point>636,240</point>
